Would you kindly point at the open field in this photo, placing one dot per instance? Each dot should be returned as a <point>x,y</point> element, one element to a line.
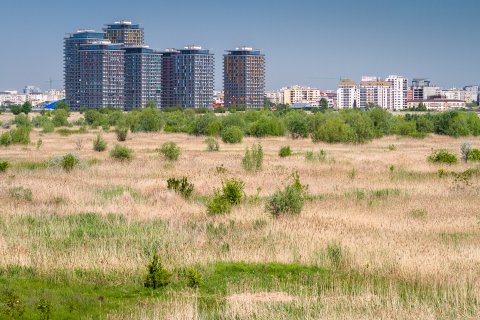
<point>383,235</point>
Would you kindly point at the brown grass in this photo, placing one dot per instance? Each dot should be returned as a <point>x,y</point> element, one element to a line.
<point>380,234</point>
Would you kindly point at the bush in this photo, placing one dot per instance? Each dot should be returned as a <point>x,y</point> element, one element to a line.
<point>194,278</point>
<point>12,305</point>
<point>232,134</point>
<point>333,131</point>
<point>4,165</point>
<point>288,201</point>
<point>121,153</point>
<point>5,139</point>
<point>181,186</point>
<point>67,162</point>
<point>230,195</point>
<point>233,190</point>
<point>20,135</point>
<point>285,151</point>
<point>296,122</point>
<point>442,156</point>
<point>474,155</point>
<point>253,158</point>
<point>212,144</point>
<point>48,126</point>
<point>157,276</point>
<point>312,156</point>
<point>218,204</point>
<point>121,133</point>
<point>99,144</point>
<point>60,118</point>
<point>170,151</point>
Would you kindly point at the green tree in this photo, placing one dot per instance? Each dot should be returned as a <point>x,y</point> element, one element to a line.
<point>323,104</point>
<point>16,109</point>
<point>27,107</point>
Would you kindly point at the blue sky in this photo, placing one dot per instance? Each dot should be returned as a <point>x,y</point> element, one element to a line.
<point>306,42</point>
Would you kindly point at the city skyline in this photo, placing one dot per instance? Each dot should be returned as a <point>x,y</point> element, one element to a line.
<point>330,40</point>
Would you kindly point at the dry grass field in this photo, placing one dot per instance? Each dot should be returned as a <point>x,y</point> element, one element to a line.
<point>407,239</point>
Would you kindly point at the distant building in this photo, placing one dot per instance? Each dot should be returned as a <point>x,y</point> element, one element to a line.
<point>347,94</point>
<point>460,94</point>
<point>244,78</point>
<point>32,90</point>
<point>71,67</point>
<point>422,89</point>
<point>298,94</point>
<point>373,91</point>
<point>475,89</point>
<point>142,77</point>
<point>187,77</point>
<point>125,32</point>
<point>438,104</point>
<point>102,75</point>
<point>275,97</point>
<point>399,91</point>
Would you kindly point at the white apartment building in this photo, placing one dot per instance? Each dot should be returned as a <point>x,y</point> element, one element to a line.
<point>13,97</point>
<point>438,104</point>
<point>372,90</point>
<point>347,94</point>
<point>399,91</point>
<point>459,94</point>
<point>275,97</point>
<point>298,94</point>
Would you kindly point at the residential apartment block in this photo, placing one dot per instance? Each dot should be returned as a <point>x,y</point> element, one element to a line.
<point>298,94</point>
<point>125,32</point>
<point>244,78</point>
<point>399,91</point>
<point>347,94</point>
<point>373,91</point>
<point>187,77</point>
<point>102,75</point>
<point>72,64</point>
<point>142,77</point>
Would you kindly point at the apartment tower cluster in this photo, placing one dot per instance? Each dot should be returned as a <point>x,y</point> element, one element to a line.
<point>114,68</point>
<point>389,93</point>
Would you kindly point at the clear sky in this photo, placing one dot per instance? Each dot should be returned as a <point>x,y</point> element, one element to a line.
<point>306,42</point>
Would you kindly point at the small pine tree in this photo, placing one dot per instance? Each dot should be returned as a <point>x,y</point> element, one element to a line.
<point>157,276</point>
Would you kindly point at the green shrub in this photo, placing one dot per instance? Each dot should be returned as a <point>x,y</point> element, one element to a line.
<point>474,155</point>
<point>233,190</point>
<point>12,306</point>
<point>20,135</point>
<point>232,134</point>
<point>442,156</point>
<point>253,159</point>
<point>69,162</point>
<point>5,139</point>
<point>212,144</point>
<point>60,118</point>
<point>218,204</point>
<point>312,156</point>
<point>392,147</point>
<point>4,165</point>
<point>21,193</point>
<point>231,195</point>
<point>122,133</point>
<point>465,150</point>
<point>121,153</point>
<point>287,201</point>
<point>48,127</point>
<point>170,151</point>
<point>285,151</point>
<point>66,162</point>
<point>194,278</point>
<point>181,186</point>
<point>99,144</point>
<point>44,308</point>
<point>39,143</point>
<point>157,276</point>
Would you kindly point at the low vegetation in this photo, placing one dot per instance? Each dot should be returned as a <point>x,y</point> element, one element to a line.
<point>442,156</point>
<point>121,153</point>
<point>170,151</point>
<point>253,159</point>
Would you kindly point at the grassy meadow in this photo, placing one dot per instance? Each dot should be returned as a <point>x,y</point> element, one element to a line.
<point>384,234</point>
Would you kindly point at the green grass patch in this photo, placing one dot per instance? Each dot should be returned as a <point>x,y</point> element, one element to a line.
<point>31,165</point>
<point>110,193</point>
